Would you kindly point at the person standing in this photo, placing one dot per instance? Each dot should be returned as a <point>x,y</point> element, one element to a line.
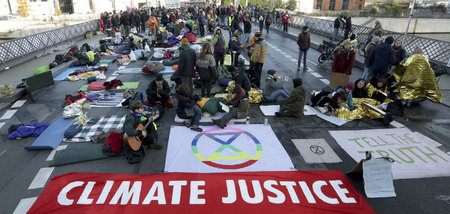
<point>206,67</point>
<point>235,47</point>
<point>369,48</point>
<point>285,17</point>
<point>186,64</point>
<point>304,43</point>
<point>247,32</point>
<point>295,103</point>
<point>348,26</point>
<point>399,52</point>
<point>125,22</point>
<point>261,21</point>
<point>343,63</point>
<point>268,22</point>
<point>201,23</point>
<point>258,57</point>
<point>381,58</point>
<point>219,42</point>
<point>337,25</point>
<point>144,20</point>
<point>153,25</point>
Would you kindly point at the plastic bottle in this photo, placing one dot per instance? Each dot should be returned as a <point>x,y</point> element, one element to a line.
<point>247,120</point>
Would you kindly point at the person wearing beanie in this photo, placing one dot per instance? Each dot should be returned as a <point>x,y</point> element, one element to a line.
<point>186,63</point>
<point>258,57</point>
<point>295,104</point>
<point>304,43</point>
<point>381,58</point>
<point>158,93</point>
<point>274,87</point>
<point>239,110</point>
<point>219,43</point>
<point>369,48</point>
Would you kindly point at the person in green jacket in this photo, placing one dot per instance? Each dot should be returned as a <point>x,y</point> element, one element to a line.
<point>219,42</point>
<point>295,103</point>
<point>190,24</point>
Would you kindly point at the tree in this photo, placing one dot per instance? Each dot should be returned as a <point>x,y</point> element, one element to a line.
<point>23,8</point>
<point>279,4</point>
<point>291,5</point>
<point>226,2</point>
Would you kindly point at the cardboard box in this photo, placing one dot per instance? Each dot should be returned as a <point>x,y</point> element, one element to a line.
<point>337,79</point>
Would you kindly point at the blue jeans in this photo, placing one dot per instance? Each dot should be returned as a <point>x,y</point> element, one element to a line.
<point>335,34</point>
<point>302,53</point>
<point>197,115</point>
<point>245,39</point>
<point>274,96</point>
<point>367,73</point>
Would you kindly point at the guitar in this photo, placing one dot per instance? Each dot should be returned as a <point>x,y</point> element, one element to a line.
<point>135,142</point>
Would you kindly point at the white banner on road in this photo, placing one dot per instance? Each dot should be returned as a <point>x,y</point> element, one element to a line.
<point>316,151</point>
<point>236,148</point>
<point>414,155</point>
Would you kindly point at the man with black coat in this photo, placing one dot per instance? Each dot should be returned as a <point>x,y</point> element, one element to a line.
<point>158,91</point>
<point>337,26</point>
<point>125,22</point>
<point>164,19</point>
<point>348,26</point>
<point>381,58</point>
<point>240,78</point>
<point>137,21</point>
<point>247,31</point>
<point>144,20</point>
<point>186,64</point>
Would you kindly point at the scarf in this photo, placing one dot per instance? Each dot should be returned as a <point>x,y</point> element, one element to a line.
<point>136,115</point>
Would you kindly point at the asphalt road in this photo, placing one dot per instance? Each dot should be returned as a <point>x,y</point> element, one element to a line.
<point>427,195</point>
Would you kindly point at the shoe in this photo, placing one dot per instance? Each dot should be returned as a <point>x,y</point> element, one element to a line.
<point>298,68</point>
<point>305,69</point>
<point>154,146</point>
<point>187,123</point>
<point>196,128</point>
<point>218,123</point>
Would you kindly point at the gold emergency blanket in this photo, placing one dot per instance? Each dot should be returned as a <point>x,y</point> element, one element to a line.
<point>361,110</point>
<point>254,95</point>
<point>416,79</point>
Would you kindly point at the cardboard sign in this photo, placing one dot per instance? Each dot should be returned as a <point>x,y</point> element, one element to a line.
<point>245,192</point>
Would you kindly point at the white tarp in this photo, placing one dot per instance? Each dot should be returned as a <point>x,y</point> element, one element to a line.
<point>270,110</point>
<point>236,148</point>
<point>415,156</point>
<point>316,151</point>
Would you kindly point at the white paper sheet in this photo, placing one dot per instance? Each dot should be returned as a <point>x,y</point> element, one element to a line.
<point>378,182</point>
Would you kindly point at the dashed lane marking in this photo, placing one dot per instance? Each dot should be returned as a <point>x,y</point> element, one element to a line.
<point>24,205</point>
<point>1,125</point>
<point>325,81</point>
<point>18,104</point>
<point>316,75</point>
<point>3,152</point>
<point>110,78</point>
<point>53,152</point>
<point>8,114</point>
<point>41,178</point>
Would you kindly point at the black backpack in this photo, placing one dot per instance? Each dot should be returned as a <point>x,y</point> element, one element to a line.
<point>85,47</point>
<point>137,96</point>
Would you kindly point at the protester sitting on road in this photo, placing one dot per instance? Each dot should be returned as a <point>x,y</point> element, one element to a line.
<point>295,103</point>
<point>360,90</point>
<point>240,78</point>
<point>274,87</point>
<point>206,67</point>
<point>149,135</point>
<point>239,110</point>
<point>377,89</point>
<point>187,107</point>
<point>158,93</point>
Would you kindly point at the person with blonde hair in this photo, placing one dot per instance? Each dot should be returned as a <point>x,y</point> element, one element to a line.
<point>206,67</point>
<point>343,63</point>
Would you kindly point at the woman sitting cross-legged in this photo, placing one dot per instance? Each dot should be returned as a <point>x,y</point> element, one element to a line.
<point>295,103</point>
<point>240,109</point>
<point>187,107</point>
<point>274,87</point>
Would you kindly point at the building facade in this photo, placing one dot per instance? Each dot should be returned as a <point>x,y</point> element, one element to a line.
<point>339,5</point>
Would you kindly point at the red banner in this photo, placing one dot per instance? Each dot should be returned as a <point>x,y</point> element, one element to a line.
<point>246,192</point>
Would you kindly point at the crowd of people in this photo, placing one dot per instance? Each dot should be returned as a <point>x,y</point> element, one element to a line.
<point>341,98</point>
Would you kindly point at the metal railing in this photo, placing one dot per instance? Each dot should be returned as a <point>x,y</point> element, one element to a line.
<point>437,51</point>
<point>26,46</point>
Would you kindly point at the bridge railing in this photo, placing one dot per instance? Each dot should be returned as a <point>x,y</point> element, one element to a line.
<point>19,48</point>
<point>437,51</point>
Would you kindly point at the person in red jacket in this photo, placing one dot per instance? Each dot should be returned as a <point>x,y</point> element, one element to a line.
<point>343,62</point>
<point>304,43</point>
<point>285,17</point>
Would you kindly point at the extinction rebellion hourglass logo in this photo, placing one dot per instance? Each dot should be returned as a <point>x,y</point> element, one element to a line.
<point>240,158</point>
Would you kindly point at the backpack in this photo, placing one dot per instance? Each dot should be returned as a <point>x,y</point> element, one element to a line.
<point>137,96</point>
<point>261,18</point>
<point>85,47</point>
<point>71,99</point>
<point>268,21</point>
<point>103,47</point>
<point>73,50</point>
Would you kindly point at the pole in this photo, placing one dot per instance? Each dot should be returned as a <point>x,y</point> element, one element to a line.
<point>409,21</point>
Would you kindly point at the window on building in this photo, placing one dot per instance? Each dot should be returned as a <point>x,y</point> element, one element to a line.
<point>360,6</point>
<point>332,4</point>
<point>319,5</point>
<point>345,5</point>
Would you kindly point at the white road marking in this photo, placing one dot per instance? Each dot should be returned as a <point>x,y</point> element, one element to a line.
<point>397,124</point>
<point>24,205</point>
<point>1,125</point>
<point>315,64</point>
<point>3,152</point>
<point>110,78</point>
<point>41,178</point>
<point>52,154</point>
<point>8,114</point>
<point>18,104</point>
<point>325,81</point>
<point>316,75</point>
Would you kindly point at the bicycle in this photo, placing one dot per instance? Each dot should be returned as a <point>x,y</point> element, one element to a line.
<point>328,50</point>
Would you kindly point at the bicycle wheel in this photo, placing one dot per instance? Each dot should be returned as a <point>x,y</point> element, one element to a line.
<point>322,58</point>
